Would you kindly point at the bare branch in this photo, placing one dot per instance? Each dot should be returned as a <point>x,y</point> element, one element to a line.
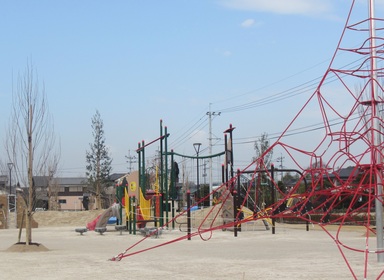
<point>31,142</point>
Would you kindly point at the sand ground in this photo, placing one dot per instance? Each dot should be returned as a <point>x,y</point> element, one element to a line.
<point>291,253</point>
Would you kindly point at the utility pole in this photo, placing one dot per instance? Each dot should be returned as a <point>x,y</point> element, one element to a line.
<point>210,114</point>
<point>205,171</point>
<point>197,146</point>
<point>281,166</point>
<point>376,134</point>
<point>130,160</point>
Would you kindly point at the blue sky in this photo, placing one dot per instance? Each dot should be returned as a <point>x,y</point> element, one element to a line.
<point>141,61</point>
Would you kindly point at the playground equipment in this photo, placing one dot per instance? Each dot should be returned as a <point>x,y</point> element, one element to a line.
<point>249,216</point>
<point>81,230</point>
<point>101,220</point>
<point>144,201</point>
<point>137,206</point>
<point>350,135</point>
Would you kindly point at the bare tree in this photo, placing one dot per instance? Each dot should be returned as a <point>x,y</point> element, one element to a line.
<point>261,146</point>
<point>30,141</point>
<point>53,186</point>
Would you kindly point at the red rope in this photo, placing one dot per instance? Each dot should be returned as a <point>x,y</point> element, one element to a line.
<point>344,140</point>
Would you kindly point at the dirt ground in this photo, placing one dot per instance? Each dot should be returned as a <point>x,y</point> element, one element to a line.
<point>291,253</point>
<point>65,218</point>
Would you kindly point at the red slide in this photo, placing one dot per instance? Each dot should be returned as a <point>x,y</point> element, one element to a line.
<point>92,225</point>
<point>102,219</point>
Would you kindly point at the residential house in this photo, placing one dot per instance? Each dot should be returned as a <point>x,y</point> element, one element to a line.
<point>70,193</point>
<point>343,174</point>
<point>64,193</point>
<point>116,176</point>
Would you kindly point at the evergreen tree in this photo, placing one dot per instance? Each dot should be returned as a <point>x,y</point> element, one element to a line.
<point>99,163</point>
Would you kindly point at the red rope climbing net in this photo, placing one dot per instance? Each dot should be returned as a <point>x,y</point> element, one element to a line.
<point>347,106</point>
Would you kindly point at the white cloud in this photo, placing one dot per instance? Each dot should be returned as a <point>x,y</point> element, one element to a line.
<point>251,23</point>
<point>305,7</point>
<point>248,23</point>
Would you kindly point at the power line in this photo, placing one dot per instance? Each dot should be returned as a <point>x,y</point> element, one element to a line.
<point>309,86</point>
<point>186,135</point>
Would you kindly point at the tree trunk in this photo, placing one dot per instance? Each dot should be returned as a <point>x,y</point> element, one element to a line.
<point>98,196</point>
<point>30,140</point>
<point>98,187</point>
<point>28,227</point>
<point>28,220</point>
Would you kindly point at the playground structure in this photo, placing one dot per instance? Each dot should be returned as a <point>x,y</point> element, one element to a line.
<point>144,200</point>
<point>350,134</point>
